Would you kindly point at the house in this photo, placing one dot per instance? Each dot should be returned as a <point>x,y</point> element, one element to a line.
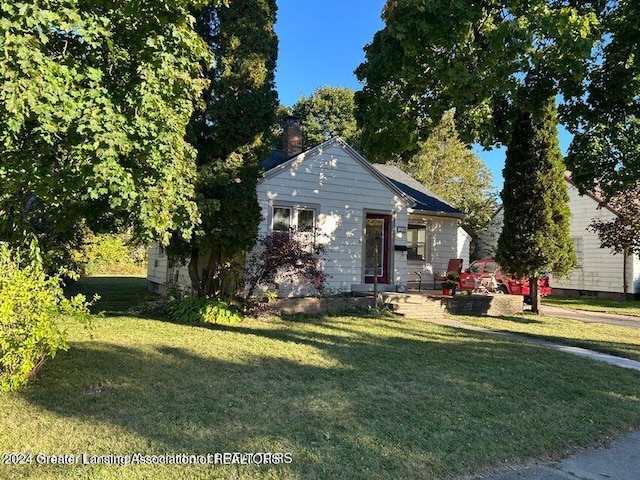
<point>372,219</point>
<point>599,271</point>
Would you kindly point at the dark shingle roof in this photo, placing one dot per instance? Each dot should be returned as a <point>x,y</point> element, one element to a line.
<point>425,199</point>
<point>273,160</point>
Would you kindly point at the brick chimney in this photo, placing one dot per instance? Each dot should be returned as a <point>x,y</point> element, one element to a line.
<point>291,137</point>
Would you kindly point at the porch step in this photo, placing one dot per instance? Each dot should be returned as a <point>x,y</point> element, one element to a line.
<point>419,307</point>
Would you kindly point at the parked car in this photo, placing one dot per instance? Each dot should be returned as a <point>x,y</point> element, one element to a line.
<point>488,267</point>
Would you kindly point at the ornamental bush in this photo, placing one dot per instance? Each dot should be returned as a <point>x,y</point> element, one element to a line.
<point>30,305</point>
<point>112,254</point>
<point>204,310</point>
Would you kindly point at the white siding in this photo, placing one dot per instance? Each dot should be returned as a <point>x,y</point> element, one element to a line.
<point>601,270</point>
<point>464,243</point>
<point>157,266</point>
<point>342,191</point>
<point>446,241</point>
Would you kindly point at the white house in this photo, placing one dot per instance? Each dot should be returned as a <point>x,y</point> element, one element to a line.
<point>352,205</point>
<point>599,271</point>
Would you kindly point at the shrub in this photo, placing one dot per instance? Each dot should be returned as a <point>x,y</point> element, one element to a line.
<point>282,258</point>
<point>30,304</point>
<point>111,254</point>
<point>204,310</point>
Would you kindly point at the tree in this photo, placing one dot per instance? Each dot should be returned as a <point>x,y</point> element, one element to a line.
<point>327,113</point>
<point>95,98</point>
<point>231,135</point>
<point>622,234</point>
<point>605,117</point>
<point>498,64</point>
<point>447,167</point>
<point>535,234</point>
<point>474,56</point>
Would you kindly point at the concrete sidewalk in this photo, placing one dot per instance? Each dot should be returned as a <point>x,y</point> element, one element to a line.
<point>620,461</point>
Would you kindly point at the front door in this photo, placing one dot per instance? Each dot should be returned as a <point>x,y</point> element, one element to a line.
<point>376,250</point>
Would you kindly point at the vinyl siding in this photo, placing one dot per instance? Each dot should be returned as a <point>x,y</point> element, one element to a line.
<point>601,270</point>
<point>342,191</point>
<point>448,241</point>
<point>157,266</point>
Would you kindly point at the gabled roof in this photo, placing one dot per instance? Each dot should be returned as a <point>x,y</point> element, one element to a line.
<point>425,200</point>
<point>276,163</point>
<point>417,196</point>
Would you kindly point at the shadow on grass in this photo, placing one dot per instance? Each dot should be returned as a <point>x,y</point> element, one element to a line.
<point>117,294</point>
<point>346,400</point>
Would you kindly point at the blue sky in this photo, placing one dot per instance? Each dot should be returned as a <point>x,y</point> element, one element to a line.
<point>321,42</point>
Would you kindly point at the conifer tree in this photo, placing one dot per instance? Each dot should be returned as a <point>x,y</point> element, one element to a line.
<point>535,235</point>
<point>231,135</point>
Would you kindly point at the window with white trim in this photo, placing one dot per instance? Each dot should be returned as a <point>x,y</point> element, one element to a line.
<point>293,219</point>
<point>418,243</point>
<point>579,248</point>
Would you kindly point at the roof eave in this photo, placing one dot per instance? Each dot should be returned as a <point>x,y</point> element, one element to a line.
<point>436,213</point>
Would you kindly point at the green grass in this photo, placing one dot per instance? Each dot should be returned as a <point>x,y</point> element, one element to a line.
<point>629,307</point>
<point>349,397</point>
<point>612,339</point>
<point>117,293</point>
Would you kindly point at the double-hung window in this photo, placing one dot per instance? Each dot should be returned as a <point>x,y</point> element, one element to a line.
<point>418,244</point>
<point>293,219</point>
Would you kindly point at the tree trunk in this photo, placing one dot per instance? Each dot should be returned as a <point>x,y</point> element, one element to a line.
<point>534,291</point>
<point>193,271</point>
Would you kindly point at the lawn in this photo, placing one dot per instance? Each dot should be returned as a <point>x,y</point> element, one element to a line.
<point>612,339</point>
<point>347,397</point>
<point>629,307</point>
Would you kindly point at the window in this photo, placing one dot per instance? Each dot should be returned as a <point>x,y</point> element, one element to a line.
<point>288,219</point>
<point>306,220</point>
<point>578,246</point>
<point>416,242</point>
<point>281,219</point>
<point>419,242</point>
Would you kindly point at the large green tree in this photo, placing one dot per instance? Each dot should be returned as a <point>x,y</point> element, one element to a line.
<point>498,64</point>
<point>605,117</point>
<point>447,166</point>
<point>231,135</point>
<point>95,97</point>
<point>535,234</point>
<point>326,113</point>
<point>474,56</point>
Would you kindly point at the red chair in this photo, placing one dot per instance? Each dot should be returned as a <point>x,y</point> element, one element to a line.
<point>455,265</point>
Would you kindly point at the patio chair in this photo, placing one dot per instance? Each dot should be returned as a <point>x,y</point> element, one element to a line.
<point>455,265</point>
<point>486,285</point>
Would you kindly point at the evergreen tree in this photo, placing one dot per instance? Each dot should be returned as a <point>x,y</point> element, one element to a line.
<point>231,135</point>
<point>535,235</point>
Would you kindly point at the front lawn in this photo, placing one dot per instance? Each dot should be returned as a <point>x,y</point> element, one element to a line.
<point>629,307</point>
<point>348,397</point>
<point>612,339</point>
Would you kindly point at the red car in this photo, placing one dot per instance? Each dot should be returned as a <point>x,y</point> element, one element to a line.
<point>481,271</point>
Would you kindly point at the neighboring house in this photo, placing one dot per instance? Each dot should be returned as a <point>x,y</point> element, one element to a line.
<point>350,205</point>
<point>599,271</point>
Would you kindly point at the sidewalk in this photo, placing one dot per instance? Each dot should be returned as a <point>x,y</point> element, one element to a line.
<point>620,461</point>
